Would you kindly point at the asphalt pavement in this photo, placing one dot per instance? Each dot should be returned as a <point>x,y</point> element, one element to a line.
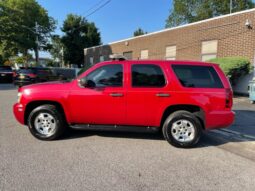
<point>125,161</point>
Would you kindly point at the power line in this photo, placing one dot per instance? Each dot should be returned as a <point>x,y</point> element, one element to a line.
<point>100,7</point>
<point>92,7</point>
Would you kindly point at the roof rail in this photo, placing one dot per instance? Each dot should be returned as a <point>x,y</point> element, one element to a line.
<point>118,57</point>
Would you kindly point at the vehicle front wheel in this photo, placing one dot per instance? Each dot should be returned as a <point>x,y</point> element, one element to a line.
<point>182,129</point>
<point>46,122</point>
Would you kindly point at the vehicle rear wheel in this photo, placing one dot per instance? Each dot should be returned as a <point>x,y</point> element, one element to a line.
<point>46,122</point>
<point>182,129</point>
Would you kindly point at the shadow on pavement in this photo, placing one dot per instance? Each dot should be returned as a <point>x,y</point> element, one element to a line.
<point>244,122</point>
<point>207,139</point>
<point>73,134</point>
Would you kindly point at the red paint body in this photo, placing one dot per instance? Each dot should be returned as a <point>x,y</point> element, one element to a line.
<point>137,106</point>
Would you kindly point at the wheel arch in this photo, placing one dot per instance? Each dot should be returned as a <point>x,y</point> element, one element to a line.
<point>196,110</point>
<point>32,105</point>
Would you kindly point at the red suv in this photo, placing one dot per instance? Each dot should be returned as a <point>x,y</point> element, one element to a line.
<point>181,98</point>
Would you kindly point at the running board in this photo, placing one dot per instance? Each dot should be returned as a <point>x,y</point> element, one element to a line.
<point>141,129</point>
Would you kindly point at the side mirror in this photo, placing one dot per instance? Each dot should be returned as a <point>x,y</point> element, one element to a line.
<point>83,82</point>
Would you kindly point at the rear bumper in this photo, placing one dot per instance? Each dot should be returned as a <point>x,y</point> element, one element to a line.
<point>219,119</point>
<point>19,112</point>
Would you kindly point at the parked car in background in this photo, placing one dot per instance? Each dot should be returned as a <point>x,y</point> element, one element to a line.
<point>179,98</point>
<point>6,74</point>
<point>25,76</point>
<point>31,75</point>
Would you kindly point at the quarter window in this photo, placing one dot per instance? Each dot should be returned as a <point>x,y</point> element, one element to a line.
<point>197,76</point>
<point>107,76</point>
<point>147,75</point>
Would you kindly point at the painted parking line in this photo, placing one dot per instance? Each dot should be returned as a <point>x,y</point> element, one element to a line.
<point>238,133</point>
<point>234,135</point>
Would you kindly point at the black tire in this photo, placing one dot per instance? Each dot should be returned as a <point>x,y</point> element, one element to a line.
<point>59,122</point>
<point>175,117</point>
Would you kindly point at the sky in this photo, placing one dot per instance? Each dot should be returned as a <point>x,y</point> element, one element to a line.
<point>117,20</point>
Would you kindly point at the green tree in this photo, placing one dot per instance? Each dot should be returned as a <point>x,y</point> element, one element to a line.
<point>22,23</point>
<point>139,32</point>
<point>1,60</point>
<point>56,49</point>
<point>188,11</point>
<point>79,34</point>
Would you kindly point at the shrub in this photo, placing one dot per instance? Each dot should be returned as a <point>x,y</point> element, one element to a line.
<point>233,67</point>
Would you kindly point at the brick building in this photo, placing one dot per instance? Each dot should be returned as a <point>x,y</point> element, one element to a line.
<point>228,35</point>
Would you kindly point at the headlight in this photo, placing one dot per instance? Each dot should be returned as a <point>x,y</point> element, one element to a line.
<point>19,96</point>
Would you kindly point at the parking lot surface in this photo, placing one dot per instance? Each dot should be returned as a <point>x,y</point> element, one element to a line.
<point>223,160</point>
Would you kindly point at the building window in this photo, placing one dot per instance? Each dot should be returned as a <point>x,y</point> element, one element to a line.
<point>128,55</point>
<point>101,58</point>
<point>91,60</point>
<point>170,52</point>
<point>144,54</point>
<point>209,49</point>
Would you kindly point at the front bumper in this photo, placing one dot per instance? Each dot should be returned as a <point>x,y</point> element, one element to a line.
<point>19,112</point>
<point>219,119</point>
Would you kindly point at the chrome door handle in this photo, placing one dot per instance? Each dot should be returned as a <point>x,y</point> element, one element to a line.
<point>116,94</point>
<point>162,95</point>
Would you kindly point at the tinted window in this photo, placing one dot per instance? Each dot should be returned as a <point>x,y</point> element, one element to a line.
<point>5,68</point>
<point>26,71</point>
<point>110,75</point>
<point>147,75</point>
<point>197,76</point>
<point>43,72</point>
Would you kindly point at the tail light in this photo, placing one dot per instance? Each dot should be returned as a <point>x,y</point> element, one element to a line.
<point>229,98</point>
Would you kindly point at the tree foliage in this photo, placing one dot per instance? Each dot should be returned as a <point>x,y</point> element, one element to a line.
<point>79,34</point>
<point>56,48</point>
<point>139,32</point>
<point>234,67</point>
<point>18,26</point>
<point>188,11</point>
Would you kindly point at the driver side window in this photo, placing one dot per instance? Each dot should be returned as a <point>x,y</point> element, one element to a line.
<point>107,76</point>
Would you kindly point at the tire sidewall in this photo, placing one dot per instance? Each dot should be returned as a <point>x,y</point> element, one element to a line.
<point>182,116</point>
<point>35,113</point>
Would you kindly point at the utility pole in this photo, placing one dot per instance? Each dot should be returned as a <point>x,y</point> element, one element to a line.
<point>37,45</point>
<point>62,57</point>
<point>230,6</point>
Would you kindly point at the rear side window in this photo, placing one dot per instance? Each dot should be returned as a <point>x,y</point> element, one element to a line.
<point>5,68</point>
<point>147,75</point>
<point>197,76</point>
